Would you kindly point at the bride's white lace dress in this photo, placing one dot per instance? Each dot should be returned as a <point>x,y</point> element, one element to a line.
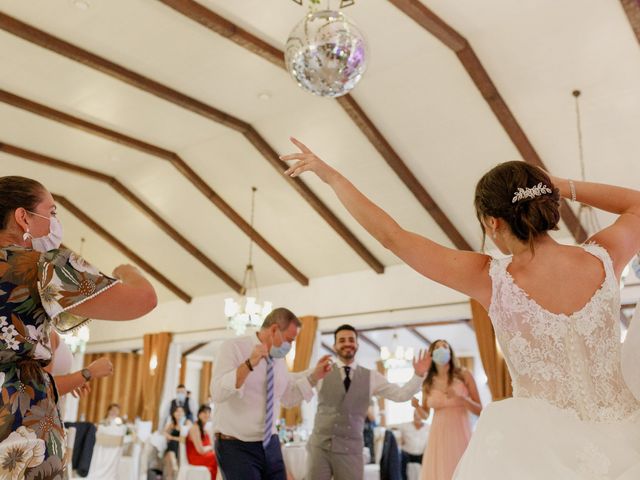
<point>573,415</point>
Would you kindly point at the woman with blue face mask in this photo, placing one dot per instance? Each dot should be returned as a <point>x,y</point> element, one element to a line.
<point>43,286</point>
<point>452,393</point>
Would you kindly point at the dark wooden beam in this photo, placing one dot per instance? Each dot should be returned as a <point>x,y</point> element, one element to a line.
<point>439,323</point>
<point>362,336</point>
<point>193,349</point>
<point>327,348</point>
<point>632,9</point>
<point>98,229</point>
<point>424,339</point>
<point>428,20</point>
<point>131,198</point>
<point>214,22</point>
<point>624,319</point>
<point>66,49</point>
<point>172,157</point>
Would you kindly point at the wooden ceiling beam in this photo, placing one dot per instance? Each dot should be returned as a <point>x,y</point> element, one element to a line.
<point>327,348</point>
<point>193,349</point>
<point>439,323</point>
<point>131,198</point>
<point>632,9</point>
<point>66,49</point>
<point>362,336</point>
<point>424,339</point>
<point>428,20</point>
<point>178,163</point>
<point>113,241</point>
<point>214,22</point>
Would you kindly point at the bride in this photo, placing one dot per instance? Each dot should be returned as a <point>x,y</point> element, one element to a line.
<point>555,309</point>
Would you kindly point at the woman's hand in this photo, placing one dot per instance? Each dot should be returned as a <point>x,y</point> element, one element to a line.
<point>102,367</point>
<point>306,160</point>
<point>81,391</point>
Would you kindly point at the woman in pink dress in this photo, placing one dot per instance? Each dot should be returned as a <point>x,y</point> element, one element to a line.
<point>452,393</point>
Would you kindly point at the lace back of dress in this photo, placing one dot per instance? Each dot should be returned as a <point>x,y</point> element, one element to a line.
<point>571,361</point>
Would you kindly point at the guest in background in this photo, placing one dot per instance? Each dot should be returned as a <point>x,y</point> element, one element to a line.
<point>113,416</point>
<point>452,393</point>
<point>414,441</point>
<point>172,434</point>
<point>199,445</point>
<point>181,400</point>
<point>250,381</point>
<point>368,434</point>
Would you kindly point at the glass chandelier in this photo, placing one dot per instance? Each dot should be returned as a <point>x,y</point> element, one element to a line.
<point>77,341</point>
<point>397,356</point>
<point>246,312</point>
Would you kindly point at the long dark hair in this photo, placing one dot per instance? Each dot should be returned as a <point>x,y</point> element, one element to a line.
<point>527,218</point>
<point>203,408</point>
<point>16,192</point>
<point>173,415</point>
<point>454,369</point>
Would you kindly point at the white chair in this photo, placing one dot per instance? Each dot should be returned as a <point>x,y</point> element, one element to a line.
<point>107,452</point>
<point>187,471</point>
<point>71,439</point>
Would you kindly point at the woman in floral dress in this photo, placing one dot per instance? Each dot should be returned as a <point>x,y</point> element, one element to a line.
<point>42,286</point>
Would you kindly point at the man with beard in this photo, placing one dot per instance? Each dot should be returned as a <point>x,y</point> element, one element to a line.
<point>336,444</point>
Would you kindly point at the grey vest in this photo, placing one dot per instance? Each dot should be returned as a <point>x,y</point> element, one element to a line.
<point>340,418</point>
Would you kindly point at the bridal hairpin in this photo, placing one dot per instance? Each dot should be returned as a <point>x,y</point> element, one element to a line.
<point>530,192</point>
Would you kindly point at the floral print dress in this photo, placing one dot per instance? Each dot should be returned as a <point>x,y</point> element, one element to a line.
<point>36,292</point>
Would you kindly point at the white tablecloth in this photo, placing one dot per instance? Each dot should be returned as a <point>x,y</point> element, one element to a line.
<point>295,459</point>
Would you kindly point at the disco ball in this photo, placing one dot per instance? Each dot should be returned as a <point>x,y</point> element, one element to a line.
<point>326,54</point>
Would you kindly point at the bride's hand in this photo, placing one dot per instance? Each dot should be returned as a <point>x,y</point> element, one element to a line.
<point>305,161</point>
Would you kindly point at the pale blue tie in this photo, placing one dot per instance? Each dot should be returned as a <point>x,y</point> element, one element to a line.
<point>268,419</point>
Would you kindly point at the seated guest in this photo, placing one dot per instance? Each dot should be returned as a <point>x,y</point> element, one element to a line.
<point>113,416</point>
<point>414,441</point>
<point>182,400</point>
<point>172,434</point>
<point>199,445</point>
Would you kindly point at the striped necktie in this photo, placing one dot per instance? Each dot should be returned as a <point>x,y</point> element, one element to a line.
<point>268,419</point>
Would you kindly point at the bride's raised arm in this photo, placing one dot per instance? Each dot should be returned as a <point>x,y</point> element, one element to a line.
<point>622,239</point>
<point>467,272</point>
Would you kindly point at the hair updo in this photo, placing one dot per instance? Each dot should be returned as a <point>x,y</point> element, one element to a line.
<point>16,192</point>
<point>527,218</point>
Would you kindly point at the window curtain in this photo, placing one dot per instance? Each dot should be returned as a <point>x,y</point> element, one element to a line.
<point>493,361</point>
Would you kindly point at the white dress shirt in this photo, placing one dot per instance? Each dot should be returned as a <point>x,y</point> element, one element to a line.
<point>379,386</point>
<point>414,440</point>
<point>240,412</point>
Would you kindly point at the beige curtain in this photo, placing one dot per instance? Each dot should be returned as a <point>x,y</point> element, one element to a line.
<point>383,416</point>
<point>155,353</point>
<point>123,387</point>
<point>304,349</point>
<point>183,370</point>
<point>205,382</point>
<point>493,361</point>
<point>466,362</point>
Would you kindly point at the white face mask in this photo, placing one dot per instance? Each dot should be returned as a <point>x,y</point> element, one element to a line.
<point>50,241</point>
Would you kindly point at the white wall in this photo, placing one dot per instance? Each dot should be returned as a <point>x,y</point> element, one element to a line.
<point>399,296</point>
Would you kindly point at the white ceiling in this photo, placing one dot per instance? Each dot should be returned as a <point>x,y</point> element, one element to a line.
<point>415,91</point>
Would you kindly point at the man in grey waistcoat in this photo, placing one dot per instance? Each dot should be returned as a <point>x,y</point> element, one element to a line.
<point>336,444</point>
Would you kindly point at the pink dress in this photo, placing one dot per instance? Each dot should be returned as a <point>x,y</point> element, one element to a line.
<point>450,432</point>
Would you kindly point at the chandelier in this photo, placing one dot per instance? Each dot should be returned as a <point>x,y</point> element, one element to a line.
<point>77,341</point>
<point>247,312</point>
<point>326,53</point>
<point>397,356</point>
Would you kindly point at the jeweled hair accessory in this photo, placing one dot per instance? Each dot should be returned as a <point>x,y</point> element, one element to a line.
<point>530,192</point>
